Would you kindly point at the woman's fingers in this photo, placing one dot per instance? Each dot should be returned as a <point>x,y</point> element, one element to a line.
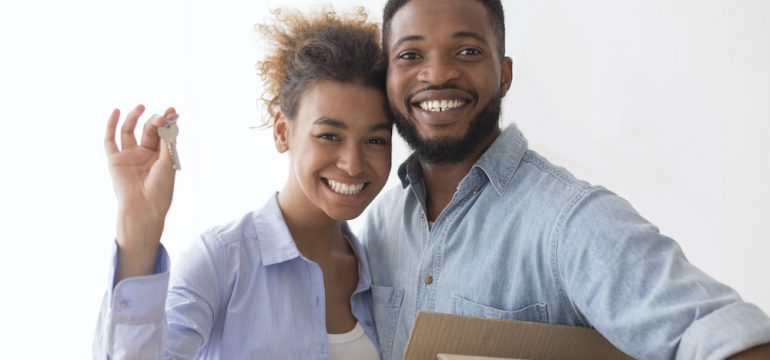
<point>127,138</point>
<point>150,136</point>
<point>110,146</point>
<point>168,112</point>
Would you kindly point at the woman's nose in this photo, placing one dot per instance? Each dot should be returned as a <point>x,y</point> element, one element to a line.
<point>351,160</point>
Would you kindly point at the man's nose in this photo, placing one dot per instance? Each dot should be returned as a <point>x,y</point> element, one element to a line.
<point>438,70</point>
<point>351,160</point>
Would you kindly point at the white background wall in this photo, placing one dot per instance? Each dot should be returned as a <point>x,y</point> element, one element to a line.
<point>665,102</point>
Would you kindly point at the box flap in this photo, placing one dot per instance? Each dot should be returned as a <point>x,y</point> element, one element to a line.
<point>470,357</point>
<point>435,333</point>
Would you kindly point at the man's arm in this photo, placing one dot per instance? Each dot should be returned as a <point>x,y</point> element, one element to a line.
<point>761,352</point>
<point>637,288</point>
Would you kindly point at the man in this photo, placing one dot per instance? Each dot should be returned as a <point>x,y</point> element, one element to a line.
<point>483,226</point>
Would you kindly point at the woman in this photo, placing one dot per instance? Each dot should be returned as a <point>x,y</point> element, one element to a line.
<point>288,281</point>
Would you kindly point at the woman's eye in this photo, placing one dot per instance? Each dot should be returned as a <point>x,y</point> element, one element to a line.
<point>378,141</point>
<point>329,137</point>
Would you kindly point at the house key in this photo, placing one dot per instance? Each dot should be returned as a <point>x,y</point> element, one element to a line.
<point>168,133</point>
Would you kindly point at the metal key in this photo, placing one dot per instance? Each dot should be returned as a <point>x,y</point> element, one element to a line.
<point>168,133</point>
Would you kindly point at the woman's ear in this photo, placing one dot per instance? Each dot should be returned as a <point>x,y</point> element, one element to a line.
<point>280,132</point>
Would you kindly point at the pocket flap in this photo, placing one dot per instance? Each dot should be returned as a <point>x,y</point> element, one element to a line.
<point>535,312</point>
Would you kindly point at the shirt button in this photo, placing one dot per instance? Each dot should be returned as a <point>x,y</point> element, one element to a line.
<point>422,216</point>
<point>428,279</point>
<point>123,304</point>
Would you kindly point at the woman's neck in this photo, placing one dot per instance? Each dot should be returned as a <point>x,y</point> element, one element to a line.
<point>314,232</point>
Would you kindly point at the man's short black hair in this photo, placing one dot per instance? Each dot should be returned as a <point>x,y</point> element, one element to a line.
<point>494,15</point>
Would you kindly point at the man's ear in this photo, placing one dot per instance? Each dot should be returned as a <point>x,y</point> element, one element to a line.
<point>506,74</point>
<point>280,132</point>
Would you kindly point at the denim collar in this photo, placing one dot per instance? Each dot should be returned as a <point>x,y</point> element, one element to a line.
<point>498,163</point>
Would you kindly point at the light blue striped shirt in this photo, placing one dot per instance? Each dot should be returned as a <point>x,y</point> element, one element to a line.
<point>243,291</point>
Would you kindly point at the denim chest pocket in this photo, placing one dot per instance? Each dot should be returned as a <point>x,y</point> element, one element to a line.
<point>387,306</point>
<point>535,312</point>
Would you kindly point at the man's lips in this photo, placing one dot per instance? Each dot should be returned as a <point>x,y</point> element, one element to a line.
<point>444,94</point>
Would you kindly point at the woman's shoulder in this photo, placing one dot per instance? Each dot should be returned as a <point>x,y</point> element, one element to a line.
<point>250,227</point>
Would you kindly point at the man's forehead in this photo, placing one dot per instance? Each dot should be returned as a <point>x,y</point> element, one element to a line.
<point>440,18</point>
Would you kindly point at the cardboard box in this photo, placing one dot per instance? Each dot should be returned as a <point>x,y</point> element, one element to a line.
<point>469,357</point>
<point>458,337</point>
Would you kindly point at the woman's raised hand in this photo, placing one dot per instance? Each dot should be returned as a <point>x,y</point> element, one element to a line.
<point>143,179</point>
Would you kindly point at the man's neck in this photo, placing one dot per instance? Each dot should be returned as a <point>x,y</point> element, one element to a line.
<point>441,180</point>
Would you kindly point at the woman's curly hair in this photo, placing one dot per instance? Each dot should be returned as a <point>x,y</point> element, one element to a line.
<point>305,49</point>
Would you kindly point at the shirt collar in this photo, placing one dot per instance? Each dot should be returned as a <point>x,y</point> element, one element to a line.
<point>273,237</point>
<point>502,158</point>
<point>364,276</point>
<point>276,244</point>
<point>499,162</point>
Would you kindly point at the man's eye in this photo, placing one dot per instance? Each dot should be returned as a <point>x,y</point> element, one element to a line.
<point>470,51</point>
<point>408,56</point>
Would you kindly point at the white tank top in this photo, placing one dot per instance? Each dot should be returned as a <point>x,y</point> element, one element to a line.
<point>352,345</point>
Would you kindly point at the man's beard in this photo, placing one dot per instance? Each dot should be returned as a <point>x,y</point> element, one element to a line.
<point>447,150</point>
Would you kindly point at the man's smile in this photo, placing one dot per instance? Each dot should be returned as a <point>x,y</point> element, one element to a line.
<point>441,105</point>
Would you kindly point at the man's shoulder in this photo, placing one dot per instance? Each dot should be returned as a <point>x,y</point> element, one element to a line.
<point>537,168</point>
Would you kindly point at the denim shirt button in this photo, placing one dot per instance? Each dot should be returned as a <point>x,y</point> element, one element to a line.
<point>428,280</point>
<point>422,216</point>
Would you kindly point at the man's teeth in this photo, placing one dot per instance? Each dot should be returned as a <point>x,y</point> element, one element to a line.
<point>441,105</point>
<point>345,189</point>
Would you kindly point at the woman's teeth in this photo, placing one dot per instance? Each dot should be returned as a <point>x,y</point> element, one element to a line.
<point>441,105</point>
<point>345,189</point>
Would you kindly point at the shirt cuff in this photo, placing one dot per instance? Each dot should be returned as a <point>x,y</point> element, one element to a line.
<point>141,299</point>
<point>725,332</point>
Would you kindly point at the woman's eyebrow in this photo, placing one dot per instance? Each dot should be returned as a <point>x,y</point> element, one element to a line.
<point>330,122</point>
<point>386,126</point>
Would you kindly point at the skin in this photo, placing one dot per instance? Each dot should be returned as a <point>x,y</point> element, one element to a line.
<point>439,42</point>
<point>143,180</point>
<point>435,42</point>
<point>341,132</point>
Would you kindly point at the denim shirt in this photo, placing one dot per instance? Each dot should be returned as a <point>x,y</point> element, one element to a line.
<point>242,291</point>
<point>523,239</point>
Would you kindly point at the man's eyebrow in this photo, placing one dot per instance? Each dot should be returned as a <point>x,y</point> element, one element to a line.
<point>408,38</point>
<point>469,34</point>
<point>457,35</point>
<point>330,122</point>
